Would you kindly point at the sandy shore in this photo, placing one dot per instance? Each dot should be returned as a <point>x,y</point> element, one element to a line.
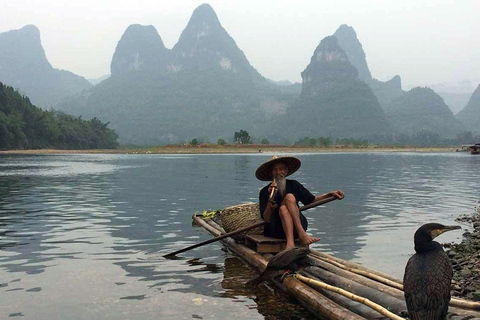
<point>216,149</point>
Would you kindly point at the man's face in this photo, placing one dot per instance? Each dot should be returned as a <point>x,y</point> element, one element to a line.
<point>279,169</point>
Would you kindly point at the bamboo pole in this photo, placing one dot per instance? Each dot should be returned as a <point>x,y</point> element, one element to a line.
<point>465,304</point>
<point>215,225</point>
<point>351,305</point>
<point>349,295</point>
<point>356,266</point>
<point>318,304</point>
<point>375,275</point>
<point>376,292</point>
<point>358,278</point>
<point>394,304</point>
<point>364,273</point>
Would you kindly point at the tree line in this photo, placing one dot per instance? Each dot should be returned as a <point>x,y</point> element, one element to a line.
<point>423,138</point>
<point>25,126</point>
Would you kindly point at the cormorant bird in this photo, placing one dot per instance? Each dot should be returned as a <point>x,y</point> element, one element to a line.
<point>428,275</point>
<point>283,260</point>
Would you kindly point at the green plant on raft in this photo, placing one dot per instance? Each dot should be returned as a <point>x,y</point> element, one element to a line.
<point>209,214</point>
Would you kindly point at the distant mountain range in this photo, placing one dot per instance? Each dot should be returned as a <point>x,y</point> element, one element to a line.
<point>95,81</point>
<point>333,101</point>
<point>470,115</point>
<point>24,66</point>
<point>422,108</point>
<point>205,88</point>
<point>408,112</point>
<point>455,94</point>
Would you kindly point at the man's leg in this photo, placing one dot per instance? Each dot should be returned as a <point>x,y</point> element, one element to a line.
<point>287,224</point>
<point>290,216</point>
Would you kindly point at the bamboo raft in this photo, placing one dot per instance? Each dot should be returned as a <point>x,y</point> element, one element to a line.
<point>333,288</point>
<point>472,148</point>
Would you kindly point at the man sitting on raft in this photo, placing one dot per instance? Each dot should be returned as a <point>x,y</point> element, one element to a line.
<point>279,201</point>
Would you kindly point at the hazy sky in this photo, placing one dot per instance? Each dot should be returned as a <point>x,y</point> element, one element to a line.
<point>425,42</point>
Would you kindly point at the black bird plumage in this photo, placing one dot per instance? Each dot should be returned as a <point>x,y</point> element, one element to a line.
<point>428,275</point>
<point>286,259</point>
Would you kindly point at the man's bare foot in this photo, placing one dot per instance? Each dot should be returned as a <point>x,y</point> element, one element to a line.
<point>308,240</point>
<point>288,246</point>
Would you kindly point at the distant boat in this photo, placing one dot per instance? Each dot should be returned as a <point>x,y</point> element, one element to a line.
<point>475,149</point>
<point>472,148</point>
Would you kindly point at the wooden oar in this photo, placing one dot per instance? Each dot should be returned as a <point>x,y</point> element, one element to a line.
<point>255,225</point>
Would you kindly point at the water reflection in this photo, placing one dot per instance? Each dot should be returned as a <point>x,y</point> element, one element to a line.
<point>269,302</point>
<point>82,236</point>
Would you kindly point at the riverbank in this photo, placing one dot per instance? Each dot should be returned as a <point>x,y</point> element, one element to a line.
<point>225,149</point>
<point>465,258</point>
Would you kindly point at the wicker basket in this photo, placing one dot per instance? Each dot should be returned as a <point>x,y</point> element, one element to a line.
<point>240,216</point>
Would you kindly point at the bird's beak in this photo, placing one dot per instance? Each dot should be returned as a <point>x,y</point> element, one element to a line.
<point>435,233</point>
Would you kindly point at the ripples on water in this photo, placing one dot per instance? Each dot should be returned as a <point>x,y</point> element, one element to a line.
<point>82,236</point>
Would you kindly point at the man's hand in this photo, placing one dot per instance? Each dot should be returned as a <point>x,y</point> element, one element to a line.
<point>337,194</point>
<point>271,207</point>
<point>272,204</point>
<point>273,186</point>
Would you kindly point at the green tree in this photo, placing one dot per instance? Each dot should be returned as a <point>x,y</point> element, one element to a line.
<point>355,143</point>
<point>465,137</point>
<point>265,141</point>
<point>242,137</point>
<point>325,142</point>
<point>426,138</point>
<point>221,142</point>
<point>23,125</point>
<point>194,142</point>
<point>307,141</point>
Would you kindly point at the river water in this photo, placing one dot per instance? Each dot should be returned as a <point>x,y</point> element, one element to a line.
<point>82,236</point>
